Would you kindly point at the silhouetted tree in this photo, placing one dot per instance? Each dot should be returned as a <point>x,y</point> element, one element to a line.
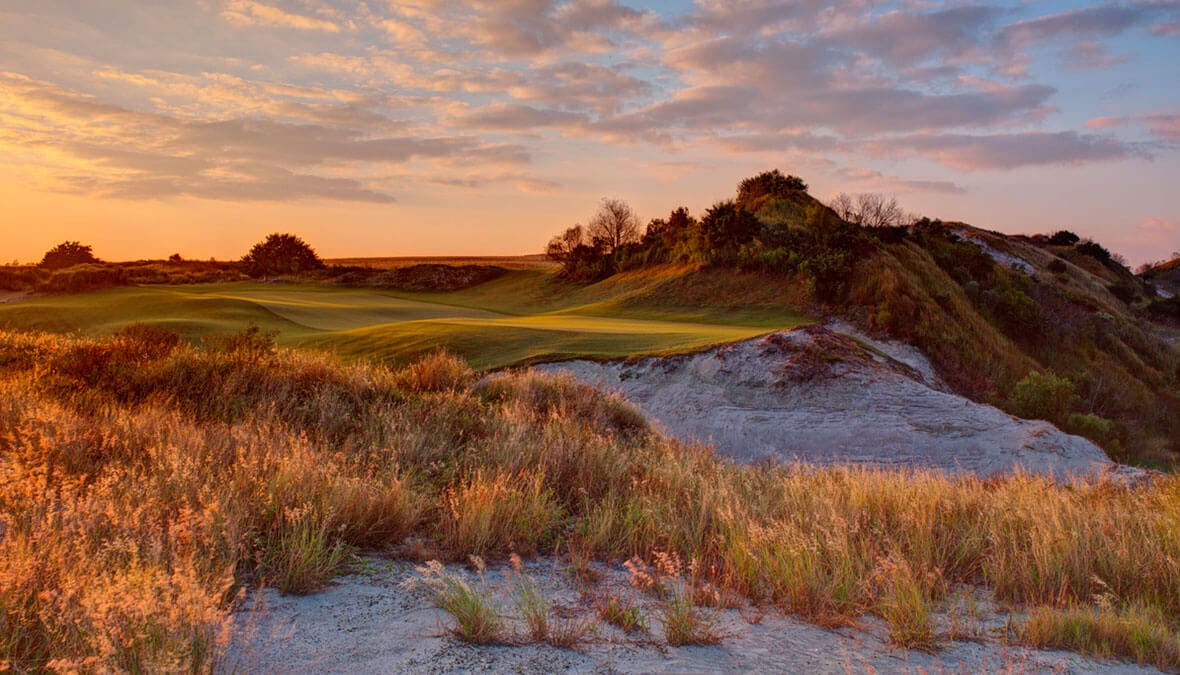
<point>614,225</point>
<point>67,254</point>
<point>870,209</point>
<point>281,254</point>
<point>562,246</point>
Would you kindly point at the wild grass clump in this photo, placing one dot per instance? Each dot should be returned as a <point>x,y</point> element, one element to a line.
<point>622,612</point>
<point>496,513</point>
<point>1139,633</point>
<point>135,506</point>
<point>436,372</point>
<point>542,619</point>
<point>680,592</point>
<point>301,553</point>
<point>471,605</point>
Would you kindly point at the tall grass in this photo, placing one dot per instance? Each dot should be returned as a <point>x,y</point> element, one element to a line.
<point>134,506</point>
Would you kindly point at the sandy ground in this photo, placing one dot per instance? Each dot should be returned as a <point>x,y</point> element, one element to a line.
<point>368,623</point>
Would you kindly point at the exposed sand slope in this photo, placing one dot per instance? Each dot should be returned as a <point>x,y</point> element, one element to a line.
<point>819,396</point>
<point>368,624</point>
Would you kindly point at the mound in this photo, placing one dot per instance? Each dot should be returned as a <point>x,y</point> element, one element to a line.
<point>819,396</point>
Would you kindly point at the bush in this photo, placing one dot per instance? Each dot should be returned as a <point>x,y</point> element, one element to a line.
<point>281,254</point>
<point>68,254</point>
<point>1103,432</point>
<point>1063,238</point>
<point>1094,250</point>
<point>773,183</point>
<point>1042,396</point>
<point>1057,266</point>
<point>82,278</point>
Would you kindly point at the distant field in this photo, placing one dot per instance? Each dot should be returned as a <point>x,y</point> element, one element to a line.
<point>524,316</point>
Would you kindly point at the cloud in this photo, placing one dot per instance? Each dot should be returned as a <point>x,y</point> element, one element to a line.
<point>1099,20</point>
<point>970,152</point>
<point>516,117</point>
<point>1091,56</point>
<point>115,151</point>
<point>251,13</point>
<point>903,38</point>
<point>871,179</point>
<point>1165,126</point>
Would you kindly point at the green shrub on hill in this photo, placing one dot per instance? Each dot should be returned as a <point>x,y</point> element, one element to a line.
<point>1043,396</point>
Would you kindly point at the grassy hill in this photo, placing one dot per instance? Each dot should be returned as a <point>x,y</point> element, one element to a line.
<point>522,316</point>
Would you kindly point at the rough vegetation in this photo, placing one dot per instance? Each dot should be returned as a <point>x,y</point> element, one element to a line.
<point>146,481</point>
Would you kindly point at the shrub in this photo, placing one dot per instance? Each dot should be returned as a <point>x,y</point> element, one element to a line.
<point>1094,250</point>
<point>1042,396</point>
<point>145,342</point>
<point>1057,266</point>
<point>251,344</point>
<point>68,254</point>
<point>82,278</point>
<point>281,254</point>
<point>1063,238</point>
<point>1101,431</point>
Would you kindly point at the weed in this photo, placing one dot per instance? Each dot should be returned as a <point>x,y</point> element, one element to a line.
<point>1134,632</point>
<point>301,555</point>
<point>622,612</point>
<point>476,615</point>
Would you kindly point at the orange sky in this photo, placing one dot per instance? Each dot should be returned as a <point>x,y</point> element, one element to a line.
<point>434,127</point>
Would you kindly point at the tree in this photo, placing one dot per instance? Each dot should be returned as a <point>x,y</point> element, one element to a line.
<point>68,254</point>
<point>281,254</point>
<point>562,246</point>
<point>870,209</point>
<point>614,225</point>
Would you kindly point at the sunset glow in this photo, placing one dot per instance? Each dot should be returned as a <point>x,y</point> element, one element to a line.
<point>482,128</point>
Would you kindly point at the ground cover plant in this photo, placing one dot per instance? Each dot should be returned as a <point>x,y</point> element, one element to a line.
<point>146,481</point>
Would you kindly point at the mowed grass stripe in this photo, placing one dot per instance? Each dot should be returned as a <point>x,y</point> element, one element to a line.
<point>526,318</point>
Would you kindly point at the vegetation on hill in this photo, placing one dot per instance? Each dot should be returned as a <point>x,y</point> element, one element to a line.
<point>147,482</point>
<point>998,316</point>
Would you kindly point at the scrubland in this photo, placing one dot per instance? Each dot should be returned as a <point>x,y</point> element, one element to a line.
<point>147,482</point>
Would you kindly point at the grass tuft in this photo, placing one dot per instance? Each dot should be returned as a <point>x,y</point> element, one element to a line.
<point>471,606</point>
<point>1137,633</point>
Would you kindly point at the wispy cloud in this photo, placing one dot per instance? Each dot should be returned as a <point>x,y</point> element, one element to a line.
<point>251,13</point>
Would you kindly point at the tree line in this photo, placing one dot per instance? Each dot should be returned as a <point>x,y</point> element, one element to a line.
<point>772,224</point>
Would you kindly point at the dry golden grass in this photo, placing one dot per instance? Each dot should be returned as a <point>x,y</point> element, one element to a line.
<point>142,488</point>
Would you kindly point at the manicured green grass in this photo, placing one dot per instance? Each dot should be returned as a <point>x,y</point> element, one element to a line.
<point>523,317</point>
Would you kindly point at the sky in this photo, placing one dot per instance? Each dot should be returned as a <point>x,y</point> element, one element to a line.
<point>434,127</point>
